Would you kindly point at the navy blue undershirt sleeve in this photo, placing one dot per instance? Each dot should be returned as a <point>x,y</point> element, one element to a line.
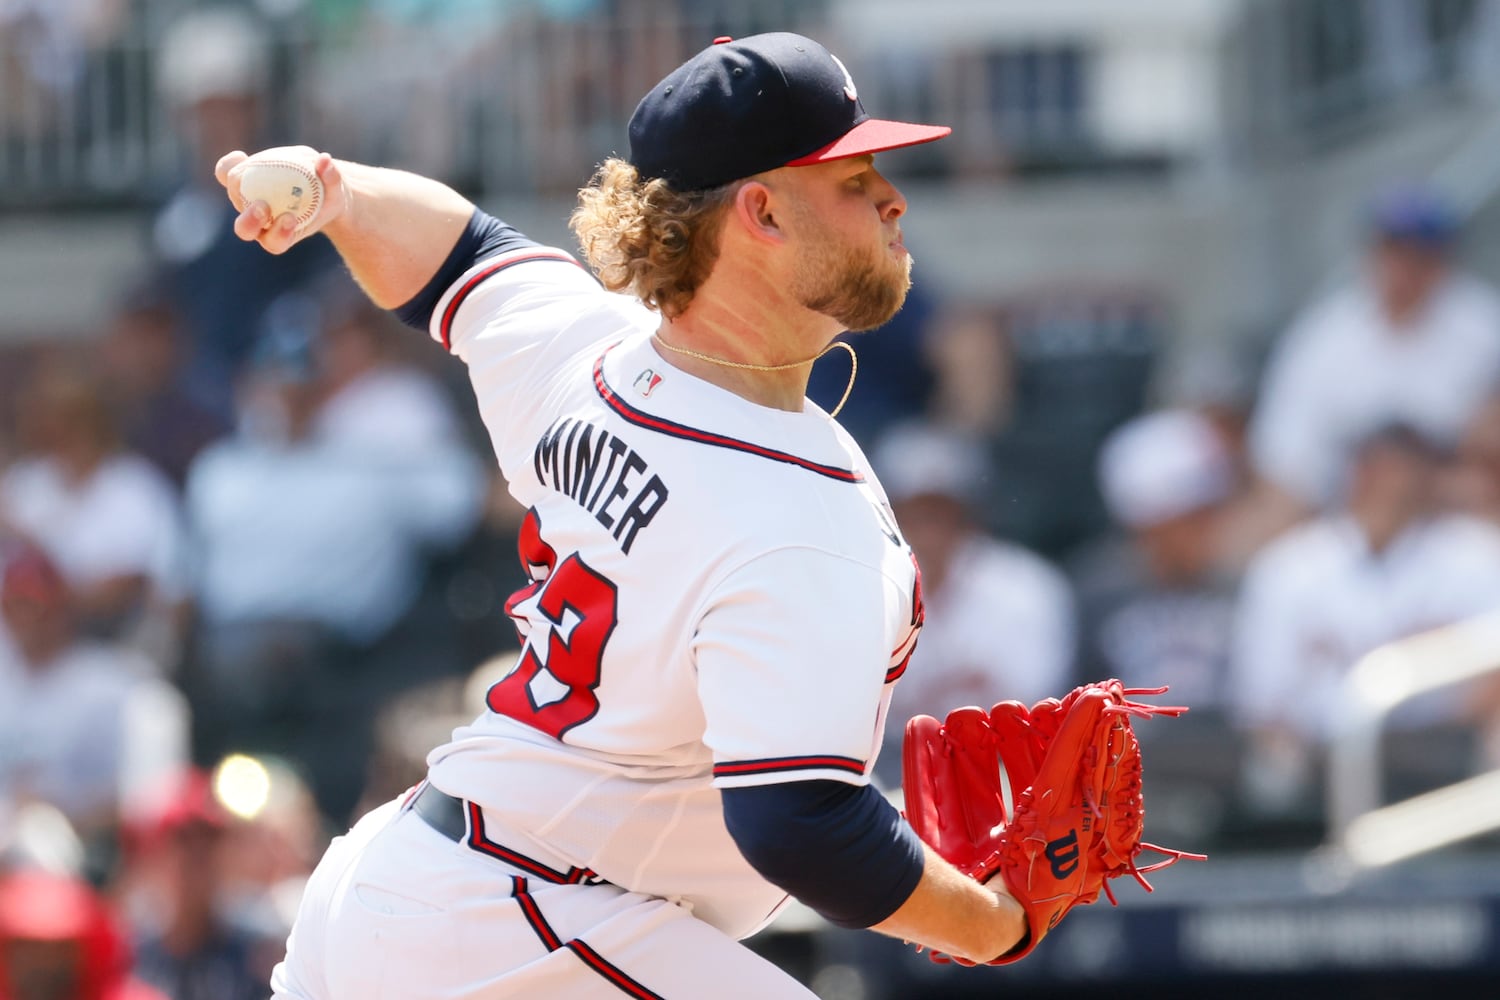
<point>841,849</point>
<point>484,236</point>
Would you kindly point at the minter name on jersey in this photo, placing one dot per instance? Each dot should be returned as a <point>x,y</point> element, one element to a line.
<point>598,471</point>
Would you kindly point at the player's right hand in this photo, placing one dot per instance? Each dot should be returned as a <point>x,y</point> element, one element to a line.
<point>255,223</point>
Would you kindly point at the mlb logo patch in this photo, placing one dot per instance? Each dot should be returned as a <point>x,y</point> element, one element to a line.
<point>647,381</point>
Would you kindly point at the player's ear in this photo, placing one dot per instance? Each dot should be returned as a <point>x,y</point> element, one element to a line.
<point>753,210</point>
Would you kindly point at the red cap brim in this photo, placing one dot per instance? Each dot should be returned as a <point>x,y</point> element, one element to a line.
<point>872,136</point>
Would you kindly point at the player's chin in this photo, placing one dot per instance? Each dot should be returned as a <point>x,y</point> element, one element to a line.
<point>901,264</point>
<point>879,305</point>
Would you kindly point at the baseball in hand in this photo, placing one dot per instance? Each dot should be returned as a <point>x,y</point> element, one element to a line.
<point>285,184</point>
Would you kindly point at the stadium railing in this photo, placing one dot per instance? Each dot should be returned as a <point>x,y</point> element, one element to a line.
<point>1368,833</point>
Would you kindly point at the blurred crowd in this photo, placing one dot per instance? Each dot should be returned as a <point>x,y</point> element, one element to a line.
<point>1251,547</point>
<point>254,553</point>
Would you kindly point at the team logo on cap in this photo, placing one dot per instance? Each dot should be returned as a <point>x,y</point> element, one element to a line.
<point>646,381</point>
<point>849,90</point>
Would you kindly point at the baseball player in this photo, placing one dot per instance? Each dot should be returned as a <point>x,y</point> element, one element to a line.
<point>721,600</point>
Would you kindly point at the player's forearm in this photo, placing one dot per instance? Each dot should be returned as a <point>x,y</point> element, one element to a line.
<point>951,913</point>
<point>397,230</point>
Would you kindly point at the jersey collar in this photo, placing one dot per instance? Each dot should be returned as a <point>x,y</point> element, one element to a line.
<point>644,389</point>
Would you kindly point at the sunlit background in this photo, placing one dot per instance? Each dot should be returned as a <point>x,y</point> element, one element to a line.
<point>1199,385</point>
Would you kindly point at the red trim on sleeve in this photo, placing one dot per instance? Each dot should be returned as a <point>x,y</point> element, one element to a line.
<point>894,674</point>
<point>445,328</point>
<point>770,765</point>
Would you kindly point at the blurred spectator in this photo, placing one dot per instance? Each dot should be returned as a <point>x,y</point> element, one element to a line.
<point>272,848</point>
<point>144,353</point>
<point>1414,340</point>
<point>370,396</point>
<point>974,363</point>
<point>37,835</point>
<point>1472,485</point>
<point>43,44</point>
<point>423,59</point>
<point>1326,593</point>
<point>186,945</point>
<point>1156,604</point>
<point>84,726</point>
<point>213,72</point>
<point>313,527</point>
<point>105,516</point>
<point>999,619</point>
<point>58,941</point>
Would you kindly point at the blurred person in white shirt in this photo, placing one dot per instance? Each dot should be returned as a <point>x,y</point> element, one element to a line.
<point>374,393</point>
<point>106,516</point>
<point>1313,602</point>
<point>1414,339</point>
<point>321,507</point>
<point>313,526</point>
<point>1156,601</point>
<point>84,725</point>
<point>999,618</point>
<point>1472,483</point>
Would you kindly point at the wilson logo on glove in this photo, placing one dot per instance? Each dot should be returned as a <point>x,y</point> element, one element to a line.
<point>1071,764</point>
<point>1062,855</point>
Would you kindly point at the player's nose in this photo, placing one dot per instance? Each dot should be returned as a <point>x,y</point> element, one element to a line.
<point>890,199</point>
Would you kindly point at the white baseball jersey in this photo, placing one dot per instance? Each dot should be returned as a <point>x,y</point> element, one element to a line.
<point>721,597</point>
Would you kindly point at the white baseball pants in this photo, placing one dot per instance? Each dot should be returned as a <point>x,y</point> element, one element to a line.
<point>397,911</point>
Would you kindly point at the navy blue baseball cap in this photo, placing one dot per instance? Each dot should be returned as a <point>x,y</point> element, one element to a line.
<point>744,106</point>
<point>1415,213</point>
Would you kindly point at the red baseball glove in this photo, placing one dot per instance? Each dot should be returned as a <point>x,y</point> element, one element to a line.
<point>1072,768</point>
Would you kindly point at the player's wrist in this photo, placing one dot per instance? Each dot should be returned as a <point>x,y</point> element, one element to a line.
<point>1009,929</point>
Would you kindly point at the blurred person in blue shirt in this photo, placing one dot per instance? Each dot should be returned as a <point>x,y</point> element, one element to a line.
<point>214,75</point>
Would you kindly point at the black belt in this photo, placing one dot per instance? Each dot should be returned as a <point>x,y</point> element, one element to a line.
<point>442,812</point>
<point>450,817</point>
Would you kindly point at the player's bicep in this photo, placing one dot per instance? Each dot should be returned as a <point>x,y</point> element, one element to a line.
<point>791,657</point>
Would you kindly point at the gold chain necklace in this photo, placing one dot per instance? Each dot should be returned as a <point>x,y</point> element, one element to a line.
<point>746,366</point>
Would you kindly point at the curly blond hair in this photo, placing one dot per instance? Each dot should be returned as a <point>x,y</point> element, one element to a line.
<point>645,237</point>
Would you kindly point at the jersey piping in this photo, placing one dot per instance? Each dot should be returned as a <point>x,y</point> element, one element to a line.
<point>451,310</point>
<point>479,842</point>
<point>770,765</point>
<point>550,940</point>
<point>673,429</point>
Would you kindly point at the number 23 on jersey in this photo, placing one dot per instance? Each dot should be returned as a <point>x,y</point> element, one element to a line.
<point>565,617</point>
